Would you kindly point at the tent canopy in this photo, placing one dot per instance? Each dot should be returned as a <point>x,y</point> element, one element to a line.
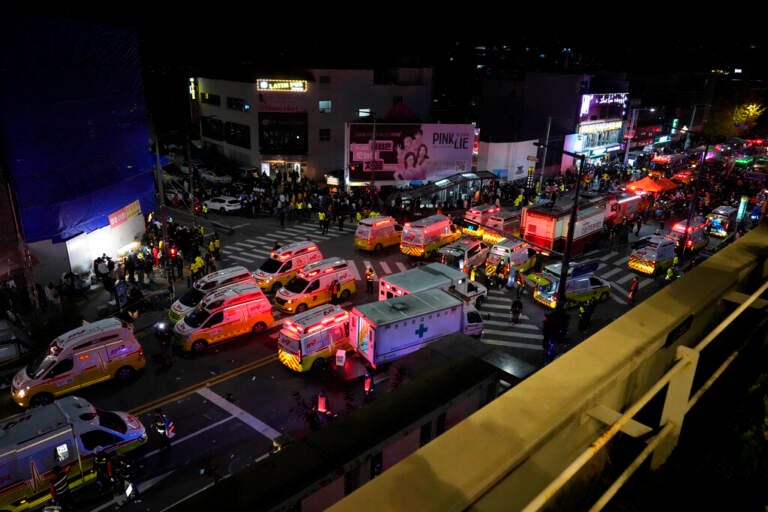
<point>648,184</point>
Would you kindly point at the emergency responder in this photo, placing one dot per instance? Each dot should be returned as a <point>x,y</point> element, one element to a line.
<point>335,289</point>
<point>102,465</point>
<point>59,488</point>
<point>370,279</point>
<point>216,245</point>
<point>586,309</point>
<point>632,291</point>
<point>162,426</point>
<point>499,274</point>
<point>205,210</point>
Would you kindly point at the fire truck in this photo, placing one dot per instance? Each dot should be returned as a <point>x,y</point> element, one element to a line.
<point>546,226</point>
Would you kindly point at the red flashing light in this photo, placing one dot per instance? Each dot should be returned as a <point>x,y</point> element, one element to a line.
<point>284,256</point>
<point>315,328</point>
<point>380,222</point>
<point>329,269</point>
<point>407,225</point>
<point>689,243</point>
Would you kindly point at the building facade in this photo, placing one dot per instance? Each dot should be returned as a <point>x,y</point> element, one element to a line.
<point>295,123</point>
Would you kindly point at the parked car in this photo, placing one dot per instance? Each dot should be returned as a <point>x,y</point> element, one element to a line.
<point>212,177</point>
<point>223,204</point>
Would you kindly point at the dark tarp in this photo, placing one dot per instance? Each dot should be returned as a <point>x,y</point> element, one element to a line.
<point>73,123</point>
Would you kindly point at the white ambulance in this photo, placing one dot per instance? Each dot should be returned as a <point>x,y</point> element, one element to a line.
<point>284,263</point>
<point>312,286</point>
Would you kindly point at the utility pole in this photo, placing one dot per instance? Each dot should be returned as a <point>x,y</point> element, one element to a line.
<point>630,135</point>
<point>160,189</point>
<point>560,318</point>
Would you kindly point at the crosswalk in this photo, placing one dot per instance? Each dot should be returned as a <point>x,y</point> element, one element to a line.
<point>499,331</point>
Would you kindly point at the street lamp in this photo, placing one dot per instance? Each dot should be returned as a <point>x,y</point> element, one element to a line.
<point>631,132</point>
<point>559,326</point>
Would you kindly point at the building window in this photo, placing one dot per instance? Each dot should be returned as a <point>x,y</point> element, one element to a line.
<point>364,112</point>
<point>283,133</point>
<point>238,135</point>
<point>210,99</point>
<point>238,104</point>
<point>212,128</point>
<point>325,134</point>
<point>324,79</point>
<point>325,106</point>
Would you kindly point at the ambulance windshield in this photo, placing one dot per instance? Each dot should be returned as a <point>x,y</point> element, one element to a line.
<point>40,365</point>
<point>197,317</point>
<point>271,266</point>
<point>192,298</point>
<point>297,285</point>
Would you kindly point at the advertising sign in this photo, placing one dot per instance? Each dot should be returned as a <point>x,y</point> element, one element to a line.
<point>407,152</point>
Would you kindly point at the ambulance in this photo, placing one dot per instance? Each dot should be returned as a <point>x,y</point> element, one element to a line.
<point>95,352</point>
<point>308,339</point>
<point>208,283</point>
<point>284,263</point>
<point>376,233</point>
<point>422,238</point>
<point>476,218</point>
<point>223,315</point>
<point>722,221</point>
<point>697,237</point>
<point>312,285</point>
<point>653,255</point>
<point>515,253</point>
<point>581,284</point>
<point>502,224</point>
<point>465,253</point>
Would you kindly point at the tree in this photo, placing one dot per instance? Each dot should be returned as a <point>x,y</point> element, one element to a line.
<point>745,116</point>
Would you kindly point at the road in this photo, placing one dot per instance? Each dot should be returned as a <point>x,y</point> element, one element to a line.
<point>234,402</point>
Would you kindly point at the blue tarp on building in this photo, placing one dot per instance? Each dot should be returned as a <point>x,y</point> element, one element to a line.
<point>73,123</point>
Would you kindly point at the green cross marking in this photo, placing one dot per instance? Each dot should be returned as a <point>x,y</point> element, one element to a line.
<point>421,330</point>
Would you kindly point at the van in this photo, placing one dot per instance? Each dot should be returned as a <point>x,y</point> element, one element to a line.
<point>65,432</point>
<point>476,218</point>
<point>308,339</point>
<point>581,283</point>
<point>503,222</point>
<point>97,351</point>
<point>312,286</point>
<point>206,284</point>
<point>696,238</point>
<point>652,255</point>
<point>376,233</point>
<point>423,237</point>
<point>222,315</point>
<point>515,253</point>
<point>284,263</point>
<point>464,253</point>
<point>722,221</point>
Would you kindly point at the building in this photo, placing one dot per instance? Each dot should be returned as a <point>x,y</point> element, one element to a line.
<point>74,128</point>
<point>294,122</point>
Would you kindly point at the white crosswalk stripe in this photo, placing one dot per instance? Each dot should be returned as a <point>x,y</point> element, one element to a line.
<point>385,267</point>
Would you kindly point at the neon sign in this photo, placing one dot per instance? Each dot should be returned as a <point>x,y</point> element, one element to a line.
<point>268,84</point>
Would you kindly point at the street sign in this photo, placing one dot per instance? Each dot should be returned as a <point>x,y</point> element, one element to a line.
<point>532,158</point>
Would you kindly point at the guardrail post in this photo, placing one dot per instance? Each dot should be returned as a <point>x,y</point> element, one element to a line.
<point>676,403</point>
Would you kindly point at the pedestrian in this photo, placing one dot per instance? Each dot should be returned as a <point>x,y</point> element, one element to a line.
<point>515,310</point>
<point>632,291</point>
<point>638,225</point>
<point>335,289</point>
<point>205,210</point>
<point>59,487</point>
<point>124,472</point>
<point>216,245</point>
<point>163,427</point>
<point>102,465</point>
<point>370,279</point>
<point>164,337</point>
<point>340,219</point>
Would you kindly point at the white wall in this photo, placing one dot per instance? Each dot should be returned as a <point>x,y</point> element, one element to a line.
<point>511,156</point>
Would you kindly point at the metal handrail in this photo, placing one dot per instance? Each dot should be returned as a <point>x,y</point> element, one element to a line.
<point>682,363</point>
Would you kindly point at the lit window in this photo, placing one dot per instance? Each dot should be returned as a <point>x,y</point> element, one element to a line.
<point>325,106</point>
<point>364,112</point>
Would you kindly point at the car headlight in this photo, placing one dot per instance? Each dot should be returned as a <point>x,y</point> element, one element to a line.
<point>21,393</point>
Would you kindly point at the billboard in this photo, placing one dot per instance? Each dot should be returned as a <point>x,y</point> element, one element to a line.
<point>409,152</point>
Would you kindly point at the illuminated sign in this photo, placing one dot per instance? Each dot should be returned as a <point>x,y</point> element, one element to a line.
<point>268,84</point>
<point>123,214</point>
<point>600,127</point>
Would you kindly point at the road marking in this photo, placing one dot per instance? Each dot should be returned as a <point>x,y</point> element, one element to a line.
<point>609,256</point>
<point>514,334</point>
<point>621,299</point>
<point>269,237</point>
<point>353,269</point>
<point>624,279</point>
<point>621,261</point>
<point>240,226</point>
<point>401,266</point>
<point>245,243</point>
<point>514,344</point>
<point>507,323</point>
<point>265,252</point>
<point>250,420</point>
<point>385,267</point>
<point>613,271</point>
<point>241,258</point>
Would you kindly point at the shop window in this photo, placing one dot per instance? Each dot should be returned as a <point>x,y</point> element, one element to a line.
<point>325,134</point>
<point>325,106</point>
